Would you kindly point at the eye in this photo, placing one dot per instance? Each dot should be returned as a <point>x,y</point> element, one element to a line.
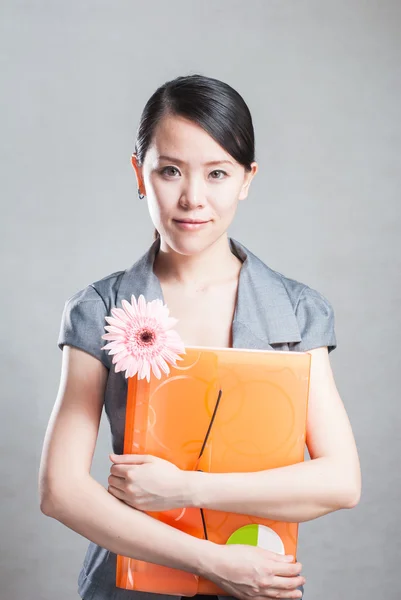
<point>219,171</point>
<point>163,171</point>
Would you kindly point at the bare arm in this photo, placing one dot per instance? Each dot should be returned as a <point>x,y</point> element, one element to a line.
<point>304,491</point>
<point>69,493</point>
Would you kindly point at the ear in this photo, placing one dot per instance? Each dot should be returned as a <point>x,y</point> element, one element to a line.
<point>249,175</point>
<point>138,172</point>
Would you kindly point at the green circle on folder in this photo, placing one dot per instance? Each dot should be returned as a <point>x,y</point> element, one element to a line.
<point>257,535</point>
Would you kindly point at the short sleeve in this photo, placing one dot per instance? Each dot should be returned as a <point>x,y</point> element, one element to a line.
<point>82,323</point>
<point>315,317</point>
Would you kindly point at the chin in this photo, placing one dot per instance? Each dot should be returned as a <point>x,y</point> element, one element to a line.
<point>190,243</point>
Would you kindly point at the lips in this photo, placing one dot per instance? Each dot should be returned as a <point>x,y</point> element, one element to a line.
<point>193,221</point>
<point>191,224</point>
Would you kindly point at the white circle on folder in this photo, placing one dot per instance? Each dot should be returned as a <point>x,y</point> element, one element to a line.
<point>258,535</point>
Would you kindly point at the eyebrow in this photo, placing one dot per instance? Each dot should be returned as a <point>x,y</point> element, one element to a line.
<point>208,164</point>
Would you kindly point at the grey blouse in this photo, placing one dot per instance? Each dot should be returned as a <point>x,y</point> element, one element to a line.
<point>272,312</point>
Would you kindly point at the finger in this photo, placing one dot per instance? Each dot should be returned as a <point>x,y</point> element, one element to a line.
<point>124,470</point>
<point>277,593</point>
<point>287,570</point>
<point>287,583</point>
<point>119,470</point>
<point>131,458</point>
<point>116,492</point>
<point>288,558</point>
<point>117,482</point>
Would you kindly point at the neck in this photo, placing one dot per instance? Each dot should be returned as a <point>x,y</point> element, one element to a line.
<point>202,269</point>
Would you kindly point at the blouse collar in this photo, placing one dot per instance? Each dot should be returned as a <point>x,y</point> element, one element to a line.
<point>264,313</point>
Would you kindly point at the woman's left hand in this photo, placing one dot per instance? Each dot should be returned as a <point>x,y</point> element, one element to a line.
<point>148,483</point>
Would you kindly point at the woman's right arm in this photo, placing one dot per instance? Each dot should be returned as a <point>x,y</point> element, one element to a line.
<point>69,494</point>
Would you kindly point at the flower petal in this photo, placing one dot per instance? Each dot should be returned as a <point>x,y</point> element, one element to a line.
<point>113,336</point>
<point>163,365</point>
<point>113,328</point>
<point>156,369</point>
<point>132,367</point>
<point>170,322</point>
<point>174,341</point>
<point>134,303</point>
<point>110,345</point>
<point>118,348</point>
<point>119,355</point>
<point>168,354</point>
<point>142,306</point>
<point>129,309</point>
<point>127,361</point>
<point>116,322</point>
<point>119,313</point>
<point>118,366</point>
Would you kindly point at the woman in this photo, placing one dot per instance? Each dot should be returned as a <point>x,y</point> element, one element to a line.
<point>194,161</point>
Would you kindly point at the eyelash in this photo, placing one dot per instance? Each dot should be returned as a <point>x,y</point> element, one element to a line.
<point>215,171</point>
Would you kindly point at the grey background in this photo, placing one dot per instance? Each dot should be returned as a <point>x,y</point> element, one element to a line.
<point>322,80</point>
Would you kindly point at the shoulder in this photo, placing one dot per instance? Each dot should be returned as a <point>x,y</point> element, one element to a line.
<point>314,313</point>
<point>102,291</point>
<point>297,291</point>
<point>83,318</point>
<point>301,294</point>
<point>312,310</point>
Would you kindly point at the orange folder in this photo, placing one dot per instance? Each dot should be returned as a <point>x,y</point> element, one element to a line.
<point>220,410</point>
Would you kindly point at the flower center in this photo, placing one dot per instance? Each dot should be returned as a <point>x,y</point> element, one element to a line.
<point>146,336</point>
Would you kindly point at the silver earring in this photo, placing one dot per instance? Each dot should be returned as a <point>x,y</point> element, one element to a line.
<point>140,195</point>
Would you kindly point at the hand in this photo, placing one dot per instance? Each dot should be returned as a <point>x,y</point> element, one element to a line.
<point>252,573</point>
<point>148,483</point>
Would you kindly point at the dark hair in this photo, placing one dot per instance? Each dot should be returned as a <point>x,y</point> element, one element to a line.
<point>210,103</point>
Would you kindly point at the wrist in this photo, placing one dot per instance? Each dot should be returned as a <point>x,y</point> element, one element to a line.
<point>208,559</point>
<point>195,485</point>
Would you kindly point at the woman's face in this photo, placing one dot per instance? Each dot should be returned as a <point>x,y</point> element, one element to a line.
<point>186,175</point>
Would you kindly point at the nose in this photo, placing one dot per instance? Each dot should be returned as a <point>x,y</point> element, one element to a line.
<point>192,195</point>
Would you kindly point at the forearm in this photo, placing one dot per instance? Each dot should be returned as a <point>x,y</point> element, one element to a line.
<point>294,493</point>
<point>89,509</point>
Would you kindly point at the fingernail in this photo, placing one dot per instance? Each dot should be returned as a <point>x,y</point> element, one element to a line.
<point>288,557</point>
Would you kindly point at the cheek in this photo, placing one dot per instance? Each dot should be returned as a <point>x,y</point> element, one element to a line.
<point>159,206</point>
<point>161,195</point>
<point>154,210</point>
<point>225,201</point>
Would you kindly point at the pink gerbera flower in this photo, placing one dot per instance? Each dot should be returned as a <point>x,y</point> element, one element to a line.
<point>142,338</point>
